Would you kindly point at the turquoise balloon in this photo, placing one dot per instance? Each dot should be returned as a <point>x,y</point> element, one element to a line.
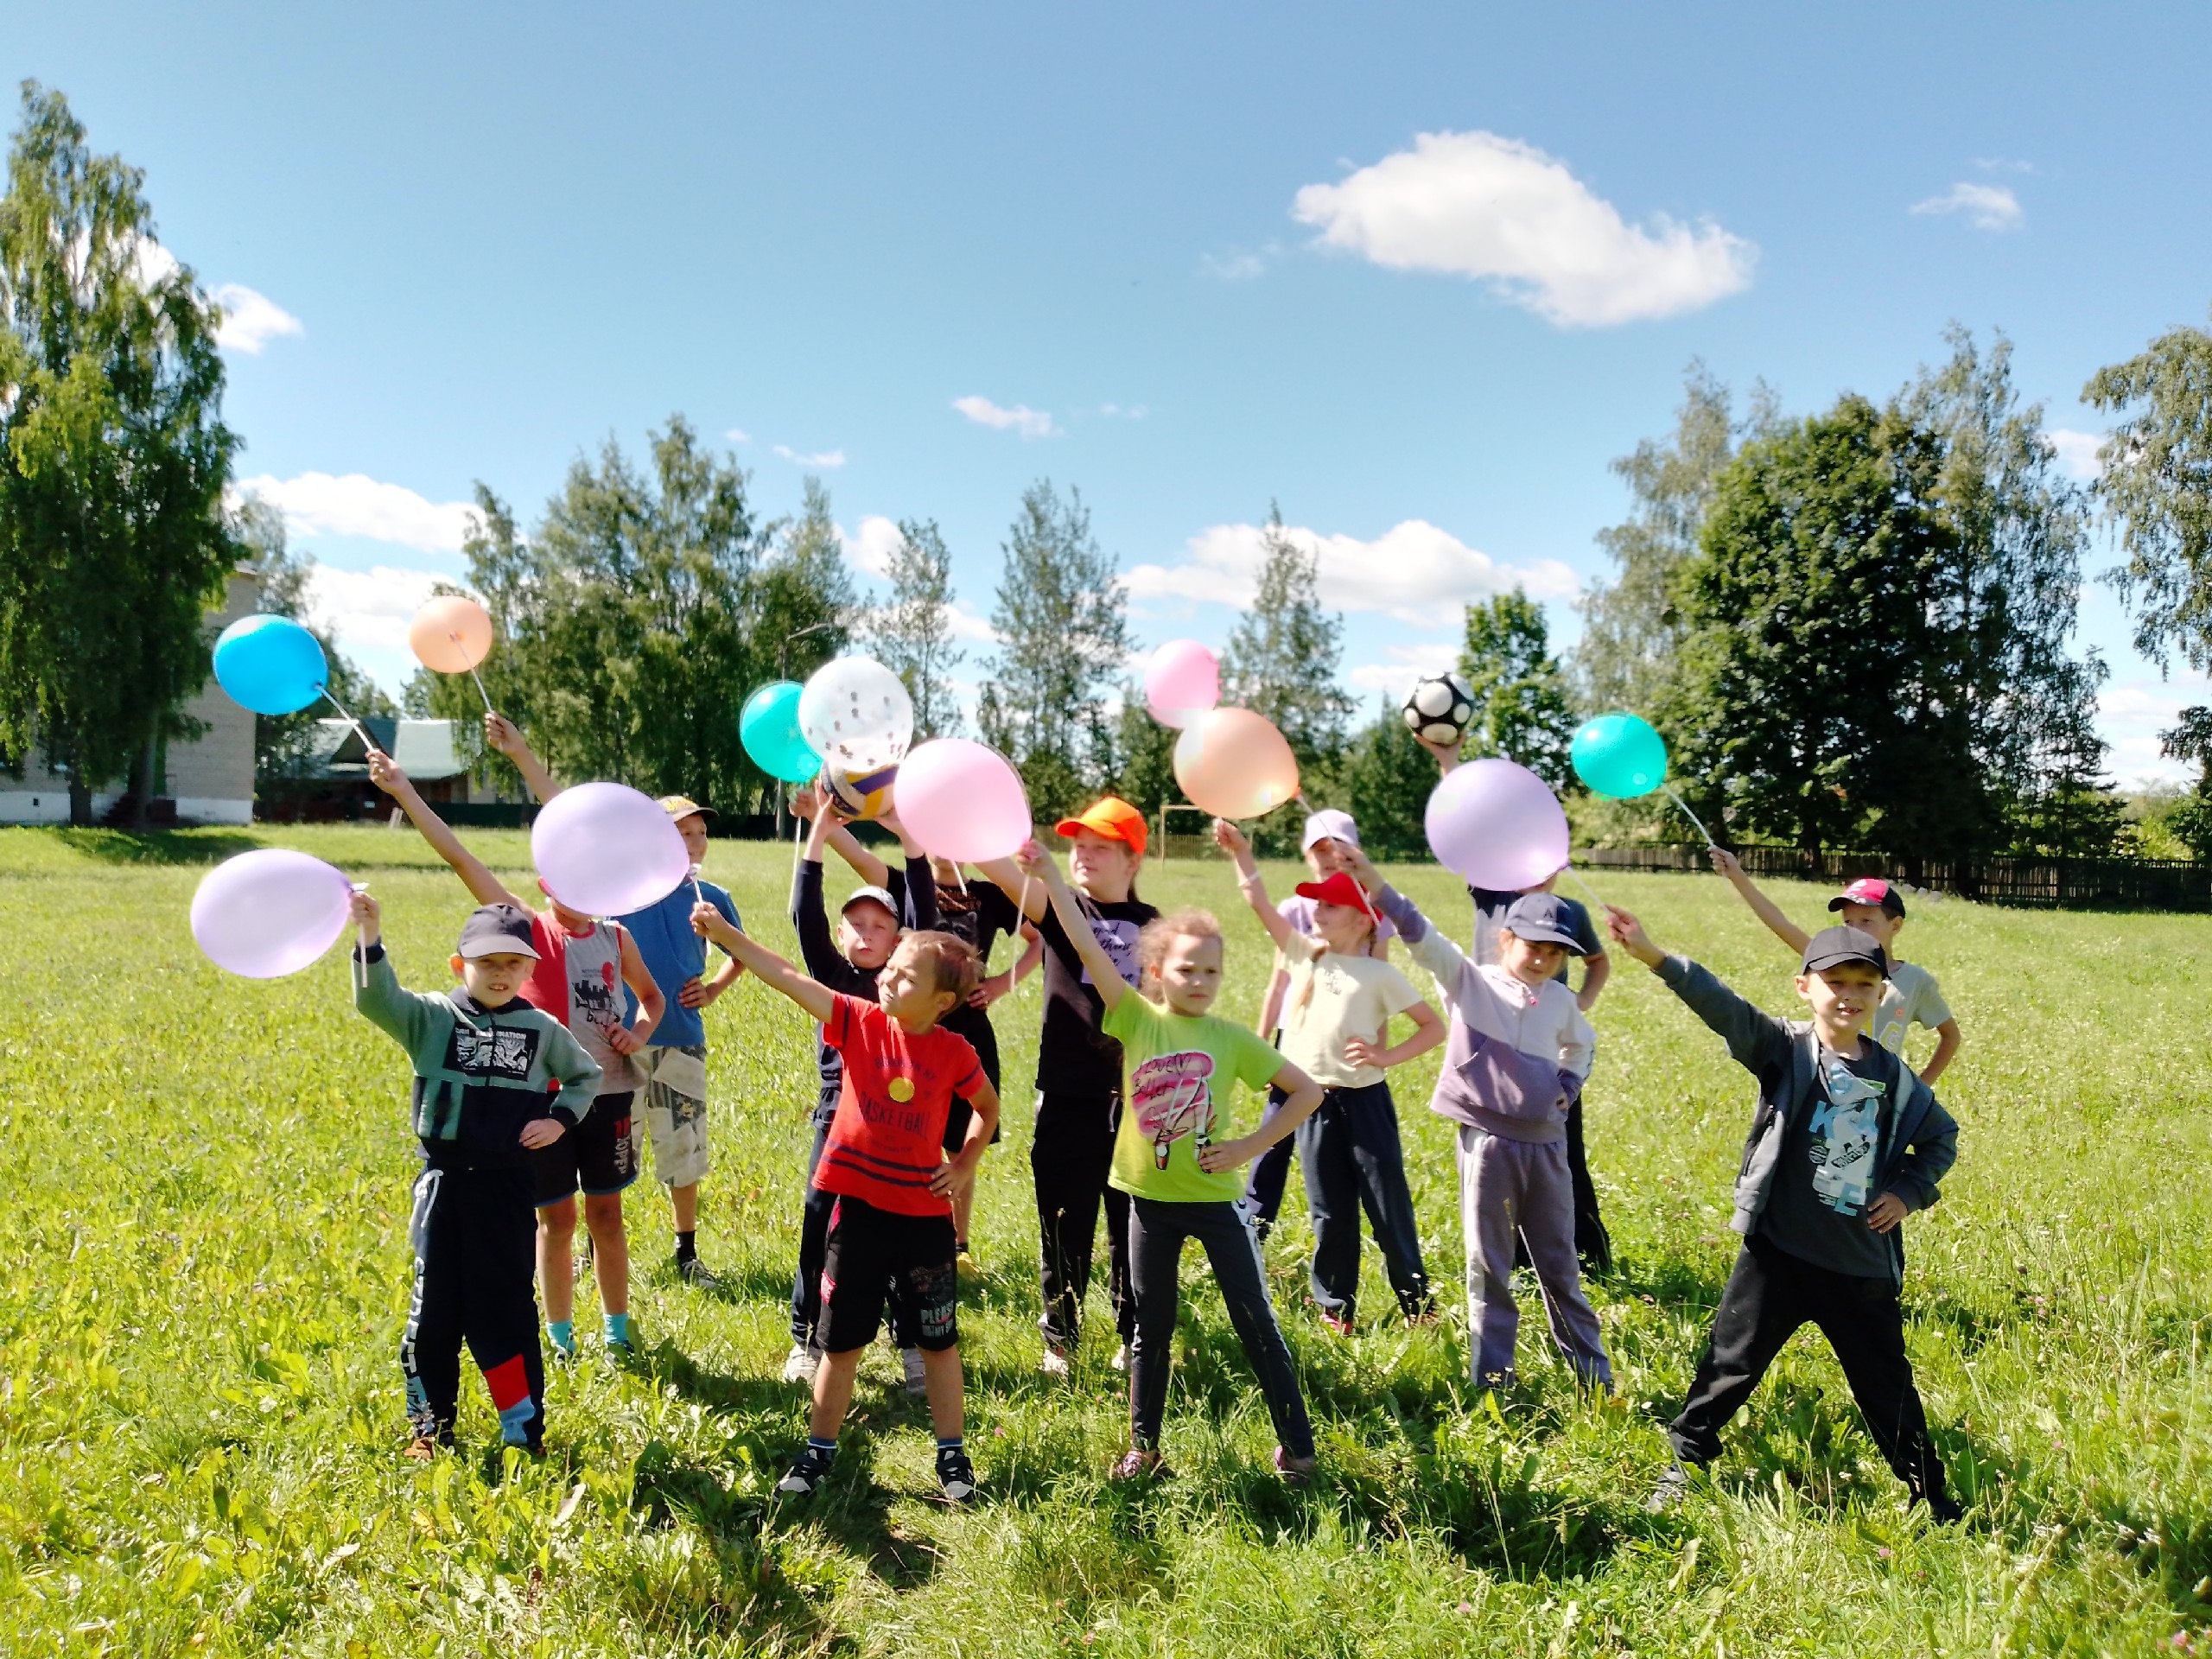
<point>768,727</point>
<point>271,664</point>
<point>1619,756</point>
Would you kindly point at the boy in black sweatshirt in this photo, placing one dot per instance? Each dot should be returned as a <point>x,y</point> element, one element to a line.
<point>1846,1142</point>
<point>487,1065</point>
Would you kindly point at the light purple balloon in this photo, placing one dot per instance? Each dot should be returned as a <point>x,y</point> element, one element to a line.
<point>1182,680</point>
<point>607,850</point>
<point>1497,826</point>
<point>961,801</point>
<point>269,913</point>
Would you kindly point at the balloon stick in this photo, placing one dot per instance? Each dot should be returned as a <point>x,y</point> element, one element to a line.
<point>1691,815</point>
<point>695,892</point>
<point>350,721</point>
<point>1577,877</point>
<point>474,675</point>
<point>359,967</point>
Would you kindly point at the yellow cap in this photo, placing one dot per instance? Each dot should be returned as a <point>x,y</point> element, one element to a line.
<point>681,807</point>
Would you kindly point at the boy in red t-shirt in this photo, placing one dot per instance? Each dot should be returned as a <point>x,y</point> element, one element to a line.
<point>890,1233</point>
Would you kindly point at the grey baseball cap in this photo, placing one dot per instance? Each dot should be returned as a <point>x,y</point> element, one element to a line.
<point>497,930</point>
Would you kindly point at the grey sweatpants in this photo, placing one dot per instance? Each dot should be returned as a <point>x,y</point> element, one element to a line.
<point>1522,1186</point>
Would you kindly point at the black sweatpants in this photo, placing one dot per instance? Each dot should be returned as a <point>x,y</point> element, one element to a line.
<point>1592,1244</point>
<point>1353,1160</point>
<point>1770,1294</point>
<point>814,1251</point>
<point>1157,1231</point>
<point>475,1237</point>
<point>1270,1178</point>
<point>1070,1156</point>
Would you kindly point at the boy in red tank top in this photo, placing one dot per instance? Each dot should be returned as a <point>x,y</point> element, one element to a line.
<point>890,1233</point>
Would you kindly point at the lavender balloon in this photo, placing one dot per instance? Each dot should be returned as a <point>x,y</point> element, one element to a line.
<point>961,801</point>
<point>1499,825</point>
<point>607,850</point>
<point>269,913</point>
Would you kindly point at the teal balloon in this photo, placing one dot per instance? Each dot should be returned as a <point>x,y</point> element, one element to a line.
<point>271,664</point>
<point>1619,756</point>
<point>768,727</point>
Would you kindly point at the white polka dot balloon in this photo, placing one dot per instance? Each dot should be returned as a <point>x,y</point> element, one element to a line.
<point>857,713</point>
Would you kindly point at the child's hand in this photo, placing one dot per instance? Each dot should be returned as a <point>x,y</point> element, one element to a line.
<point>989,989</point>
<point>1629,934</point>
<point>1446,754</point>
<point>947,1180</point>
<point>1220,1156</point>
<point>366,915</point>
<point>710,923</point>
<point>504,735</point>
<point>806,801</point>
<point>1727,864</point>
<point>1036,863</point>
<point>385,773</point>
<point>1359,1052</point>
<point>1361,869</point>
<point>541,1132</point>
<point>1231,840</point>
<point>1885,1212</point>
<point>623,1041</point>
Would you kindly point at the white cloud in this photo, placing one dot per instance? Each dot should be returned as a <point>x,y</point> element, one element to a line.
<point>2077,451</point>
<point>970,624</point>
<point>2131,714</point>
<point>1985,206</point>
<point>1407,664</point>
<point>250,320</point>
<point>2003,164</point>
<point>317,503</point>
<point>1472,204</point>
<point>367,611</point>
<point>825,458</point>
<point>871,548</point>
<point>1030,423</point>
<point>737,435</point>
<point>1406,573</point>
<point>1124,411</point>
<point>1238,265</point>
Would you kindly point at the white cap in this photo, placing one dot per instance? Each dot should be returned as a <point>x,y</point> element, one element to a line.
<point>1329,824</point>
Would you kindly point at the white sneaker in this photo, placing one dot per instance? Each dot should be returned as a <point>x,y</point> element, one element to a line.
<point>1055,1364</point>
<point>800,1363</point>
<point>1121,1361</point>
<point>918,1374</point>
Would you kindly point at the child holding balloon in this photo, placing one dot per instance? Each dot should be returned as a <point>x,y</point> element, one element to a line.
<point>486,1063</point>
<point>1182,1062</point>
<point>1518,1050</point>
<point>584,964</point>
<point>1335,1018</point>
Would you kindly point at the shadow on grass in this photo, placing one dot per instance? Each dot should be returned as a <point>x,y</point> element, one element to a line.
<point>156,846</point>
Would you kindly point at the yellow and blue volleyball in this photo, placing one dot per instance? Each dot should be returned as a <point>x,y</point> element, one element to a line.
<point>861,795</point>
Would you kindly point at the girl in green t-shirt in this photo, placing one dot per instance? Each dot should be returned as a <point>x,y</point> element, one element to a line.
<point>1179,1061</point>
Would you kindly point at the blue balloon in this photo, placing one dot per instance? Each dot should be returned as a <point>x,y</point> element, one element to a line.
<point>768,727</point>
<point>1619,756</point>
<point>271,664</point>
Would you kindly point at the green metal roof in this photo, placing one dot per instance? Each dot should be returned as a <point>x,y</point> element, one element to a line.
<point>425,749</point>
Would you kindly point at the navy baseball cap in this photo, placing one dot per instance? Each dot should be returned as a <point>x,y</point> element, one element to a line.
<point>1541,918</point>
<point>497,930</point>
<point>1832,947</point>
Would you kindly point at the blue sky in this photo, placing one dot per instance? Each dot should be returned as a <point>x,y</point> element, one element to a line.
<point>1416,273</point>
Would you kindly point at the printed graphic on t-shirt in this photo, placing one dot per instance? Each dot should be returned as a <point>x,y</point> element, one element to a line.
<point>1119,941</point>
<point>1172,1096</point>
<point>1845,1129</point>
<point>596,994</point>
<point>1890,1035</point>
<point>504,1050</point>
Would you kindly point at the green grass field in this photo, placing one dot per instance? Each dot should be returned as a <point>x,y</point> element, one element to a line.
<point>204,1234</point>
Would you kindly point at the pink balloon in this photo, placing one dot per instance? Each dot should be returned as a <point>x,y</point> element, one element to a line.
<point>269,913</point>
<point>1235,764</point>
<point>961,801</point>
<point>1499,825</point>
<point>1181,682</point>
<point>607,850</point>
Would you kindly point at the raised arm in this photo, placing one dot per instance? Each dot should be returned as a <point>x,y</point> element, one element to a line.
<point>484,886</point>
<point>1427,946</point>
<point>774,972</point>
<point>1111,987</point>
<point>506,737</point>
<point>1252,885</point>
<point>1762,906</point>
<point>1006,875</point>
<point>1756,1038</point>
<point>813,804</point>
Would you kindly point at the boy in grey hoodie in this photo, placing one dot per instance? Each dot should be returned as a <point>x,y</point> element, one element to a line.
<point>486,1066</point>
<point>1846,1143</point>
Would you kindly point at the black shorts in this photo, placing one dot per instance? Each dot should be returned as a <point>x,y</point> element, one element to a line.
<point>599,1154</point>
<point>957,1119</point>
<point>876,1253</point>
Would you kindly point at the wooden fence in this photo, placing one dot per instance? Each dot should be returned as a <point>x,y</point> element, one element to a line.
<point>2049,884</point>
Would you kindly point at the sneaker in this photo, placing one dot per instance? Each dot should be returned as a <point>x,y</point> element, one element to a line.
<point>698,1274</point>
<point>801,1364</point>
<point>1055,1364</point>
<point>917,1373</point>
<point>420,1449</point>
<point>1423,1317</point>
<point>1121,1360</point>
<point>1674,1486</point>
<point>562,1352</point>
<point>966,1261</point>
<point>1137,1464</point>
<point>809,1472</point>
<point>956,1476</point>
<point>1295,1472</point>
<point>1337,1322</point>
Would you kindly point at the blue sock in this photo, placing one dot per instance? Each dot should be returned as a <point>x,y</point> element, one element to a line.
<point>563,1333</point>
<point>618,1327</point>
<point>953,1443</point>
<point>823,1449</point>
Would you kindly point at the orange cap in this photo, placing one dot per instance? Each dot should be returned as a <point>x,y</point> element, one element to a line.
<point>1112,818</point>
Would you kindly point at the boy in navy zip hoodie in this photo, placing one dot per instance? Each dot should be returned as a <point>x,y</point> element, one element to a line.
<point>1846,1142</point>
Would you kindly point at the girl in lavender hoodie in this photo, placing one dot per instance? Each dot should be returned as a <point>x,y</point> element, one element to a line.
<point>1518,1050</point>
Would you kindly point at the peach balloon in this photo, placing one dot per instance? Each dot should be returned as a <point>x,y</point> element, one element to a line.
<point>451,634</point>
<point>1235,764</point>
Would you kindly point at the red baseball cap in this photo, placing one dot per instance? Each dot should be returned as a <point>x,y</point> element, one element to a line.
<point>1112,818</point>
<point>1337,889</point>
<point>1871,890</point>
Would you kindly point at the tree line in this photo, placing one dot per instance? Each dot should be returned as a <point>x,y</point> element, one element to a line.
<point>1855,627</point>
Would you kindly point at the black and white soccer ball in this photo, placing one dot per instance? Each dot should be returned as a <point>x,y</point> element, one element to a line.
<point>1438,708</point>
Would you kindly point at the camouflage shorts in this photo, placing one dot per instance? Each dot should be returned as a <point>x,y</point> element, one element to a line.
<point>674,1099</point>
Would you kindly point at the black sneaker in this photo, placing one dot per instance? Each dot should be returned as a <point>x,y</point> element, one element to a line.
<point>1674,1486</point>
<point>956,1476</point>
<point>698,1274</point>
<point>1943,1510</point>
<point>811,1469</point>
